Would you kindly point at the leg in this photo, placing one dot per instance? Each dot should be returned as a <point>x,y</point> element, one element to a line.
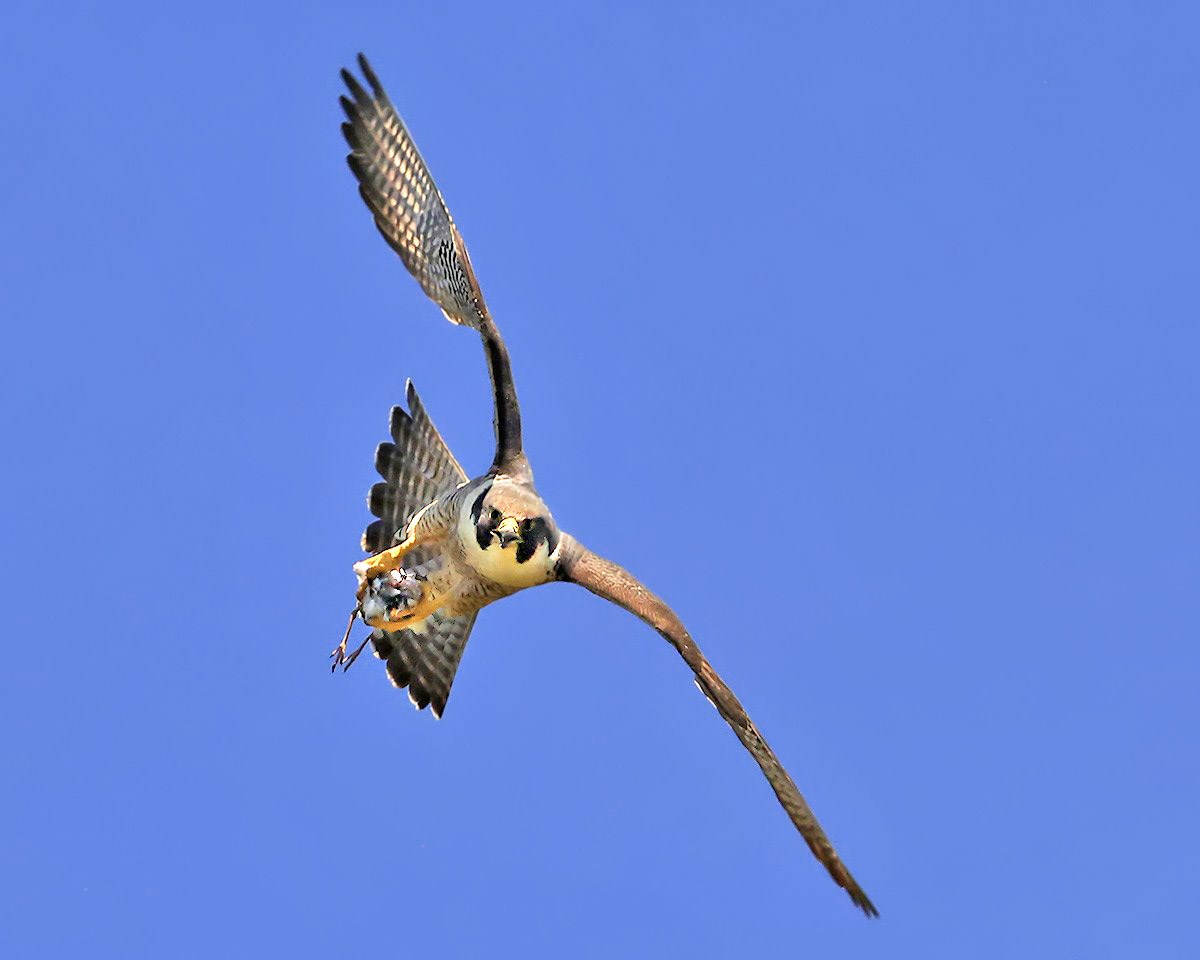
<point>384,563</point>
<point>339,655</point>
<point>339,652</point>
<point>376,566</point>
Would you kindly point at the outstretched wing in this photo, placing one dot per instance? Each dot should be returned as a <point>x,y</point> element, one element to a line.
<point>606,579</point>
<point>417,467</point>
<point>409,210</point>
<point>413,218</point>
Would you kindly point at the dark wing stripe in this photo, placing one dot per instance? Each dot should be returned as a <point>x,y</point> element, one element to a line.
<point>425,662</point>
<point>607,580</point>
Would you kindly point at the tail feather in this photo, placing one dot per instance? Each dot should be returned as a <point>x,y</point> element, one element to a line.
<point>425,659</point>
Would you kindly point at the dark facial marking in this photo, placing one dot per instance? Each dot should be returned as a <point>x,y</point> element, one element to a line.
<point>534,533</point>
<point>526,549</point>
<point>483,535</point>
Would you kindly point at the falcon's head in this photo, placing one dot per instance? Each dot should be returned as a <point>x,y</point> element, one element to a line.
<point>510,535</point>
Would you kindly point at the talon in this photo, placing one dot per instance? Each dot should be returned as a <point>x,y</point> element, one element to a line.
<point>383,562</point>
<point>396,599</point>
<point>422,608</point>
<point>354,656</point>
<point>339,652</point>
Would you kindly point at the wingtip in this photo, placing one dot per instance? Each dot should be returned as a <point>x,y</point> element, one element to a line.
<point>866,906</point>
<point>861,900</point>
<point>398,423</point>
<point>350,132</point>
<point>358,168</point>
<point>381,500</point>
<point>416,409</point>
<point>369,75</point>
<point>384,459</point>
<point>361,97</point>
<point>374,539</point>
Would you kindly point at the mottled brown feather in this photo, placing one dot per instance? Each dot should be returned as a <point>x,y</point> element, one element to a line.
<point>417,467</point>
<point>410,213</point>
<point>615,584</point>
<point>408,208</point>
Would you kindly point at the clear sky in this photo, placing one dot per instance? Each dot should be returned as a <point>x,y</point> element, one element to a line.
<point>866,334</point>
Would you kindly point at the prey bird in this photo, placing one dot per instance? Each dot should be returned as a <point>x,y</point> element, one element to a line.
<point>444,546</point>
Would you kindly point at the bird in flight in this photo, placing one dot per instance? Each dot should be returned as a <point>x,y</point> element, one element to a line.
<point>444,546</point>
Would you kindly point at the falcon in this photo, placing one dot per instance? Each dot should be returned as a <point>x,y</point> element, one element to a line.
<point>443,545</point>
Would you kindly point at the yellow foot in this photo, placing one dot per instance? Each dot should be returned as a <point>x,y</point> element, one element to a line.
<point>397,599</point>
<point>391,597</point>
<point>403,619</point>
<point>376,566</point>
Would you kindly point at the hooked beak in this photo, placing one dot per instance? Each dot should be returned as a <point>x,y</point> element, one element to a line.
<point>507,532</point>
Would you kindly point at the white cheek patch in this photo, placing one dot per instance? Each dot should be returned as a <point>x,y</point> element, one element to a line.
<point>497,563</point>
<point>500,564</point>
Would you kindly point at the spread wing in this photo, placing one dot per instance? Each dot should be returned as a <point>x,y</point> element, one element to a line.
<point>409,210</point>
<point>606,579</point>
<point>413,218</point>
<point>417,467</point>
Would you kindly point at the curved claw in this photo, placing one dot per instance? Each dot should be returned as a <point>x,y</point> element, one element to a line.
<point>339,652</point>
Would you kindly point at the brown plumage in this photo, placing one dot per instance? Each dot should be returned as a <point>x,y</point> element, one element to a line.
<point>417,467</point>
<point>605,579</point>
<point>483,539</point>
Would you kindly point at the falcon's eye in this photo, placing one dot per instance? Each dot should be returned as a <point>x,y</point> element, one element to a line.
<point>495,515</point>
<point>525,525</point>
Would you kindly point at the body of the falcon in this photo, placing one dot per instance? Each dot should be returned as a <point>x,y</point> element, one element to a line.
<point>443,546</point>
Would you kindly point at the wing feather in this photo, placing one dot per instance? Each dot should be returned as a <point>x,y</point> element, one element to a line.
<point>425,660</point>
<point>417,467</point>
<point>408,208</point>
<point>413,218</point>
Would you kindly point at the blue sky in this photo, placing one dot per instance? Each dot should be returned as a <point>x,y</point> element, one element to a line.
<point>888,314</point>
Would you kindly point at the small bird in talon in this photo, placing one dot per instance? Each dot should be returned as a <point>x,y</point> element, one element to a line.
<point>385,598</point>
<point>475,541</point>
